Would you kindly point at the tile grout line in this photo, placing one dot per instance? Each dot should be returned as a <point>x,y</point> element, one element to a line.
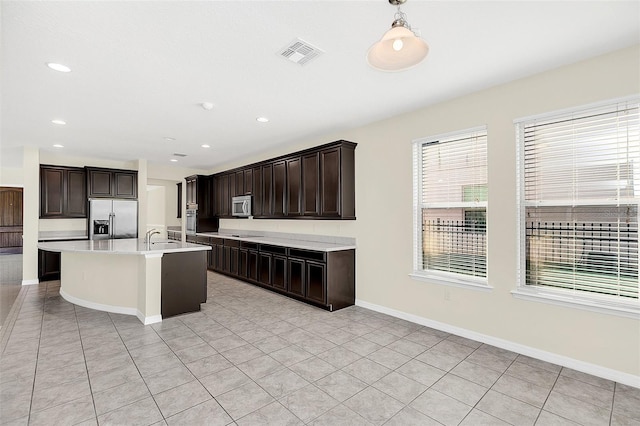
<point>86,367</point>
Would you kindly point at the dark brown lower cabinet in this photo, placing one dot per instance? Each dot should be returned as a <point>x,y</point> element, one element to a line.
<point>264,268</point>
<point>324,279</point>
<point>243,259</point>
<point>315,286</point>
<point>279,277</point>
<point>252,265</point>
<point>296,277</point>
<point>183,282</point>
<point>48,265</point>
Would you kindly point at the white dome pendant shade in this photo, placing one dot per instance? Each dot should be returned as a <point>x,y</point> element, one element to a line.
<point>399,48</point>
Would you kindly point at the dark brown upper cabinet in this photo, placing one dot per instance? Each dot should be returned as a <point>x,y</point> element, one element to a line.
<point>311,184</point>
<point>201,192</point>
<point>112,183</point>
<point>294,186</point>
<point>256,177</point>
<point>179,185</point>
<point>267,190</point>
<point>317,183</point>
<point>63,192</point>
<point>279,188</point>
<point>222,196</point>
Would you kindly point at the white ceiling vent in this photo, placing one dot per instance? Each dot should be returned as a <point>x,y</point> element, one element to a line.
<point>176,154</point>
<point>300,52</point>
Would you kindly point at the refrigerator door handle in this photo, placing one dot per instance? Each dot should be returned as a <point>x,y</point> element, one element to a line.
<point>112,224</point>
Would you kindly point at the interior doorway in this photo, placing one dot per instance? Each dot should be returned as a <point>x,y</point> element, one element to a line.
<point>10,220</point>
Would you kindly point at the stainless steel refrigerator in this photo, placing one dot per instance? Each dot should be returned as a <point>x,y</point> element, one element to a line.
<point>113,219</point>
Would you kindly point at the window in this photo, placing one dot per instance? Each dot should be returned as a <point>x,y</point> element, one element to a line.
<point>450,207</point>
<point>580,189</point>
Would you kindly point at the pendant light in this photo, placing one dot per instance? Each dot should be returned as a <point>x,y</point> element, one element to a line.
<point>399,48</point>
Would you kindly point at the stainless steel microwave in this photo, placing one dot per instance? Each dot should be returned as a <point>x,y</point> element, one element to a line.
<point>241,206</point>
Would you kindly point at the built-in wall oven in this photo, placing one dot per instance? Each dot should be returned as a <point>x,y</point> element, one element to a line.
<point>192,221</point>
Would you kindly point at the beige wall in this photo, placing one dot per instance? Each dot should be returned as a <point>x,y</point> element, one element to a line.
<point>383,228</point>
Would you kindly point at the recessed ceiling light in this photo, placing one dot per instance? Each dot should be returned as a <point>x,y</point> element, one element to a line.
<point>58,67</point>
<point>173,160</point>
<point>262,119</point>
<point>60,122</point>
<point>167,138</point>
<point>58,146</point>
<point>205,146</point>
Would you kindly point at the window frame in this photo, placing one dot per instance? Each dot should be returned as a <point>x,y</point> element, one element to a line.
<point>435,276</point>
<point>601,303</point>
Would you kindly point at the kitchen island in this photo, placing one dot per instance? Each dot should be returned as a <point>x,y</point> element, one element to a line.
<point>127,276</point>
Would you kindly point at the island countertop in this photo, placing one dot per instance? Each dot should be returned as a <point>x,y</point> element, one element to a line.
<point>120,246</point>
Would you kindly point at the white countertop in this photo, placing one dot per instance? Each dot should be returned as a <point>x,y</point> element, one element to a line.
<point>283,242</point>
<point>121,246</point>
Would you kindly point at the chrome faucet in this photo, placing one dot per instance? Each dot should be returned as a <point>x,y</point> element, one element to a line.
<point>149,234</point>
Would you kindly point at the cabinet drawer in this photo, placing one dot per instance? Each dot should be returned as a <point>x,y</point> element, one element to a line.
<point>273,249</point>
<point>202,240</point>
<point>232,243</point>
<point>318,256</point>
<point>247,245</point>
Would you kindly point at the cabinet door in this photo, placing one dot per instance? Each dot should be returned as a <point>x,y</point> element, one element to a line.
<point>311,184</point>
<point>330,182</point>
<point>225,198</point>
<point>125,185</point>
<point>227,259</point>
<point>219,257</point>
<point>179,204</point>
<point>279,188</point>
<point>211,257</point>
<point>204,192</point>
<point>315,282</point>
<point>239,183</point>
<point>243,260</point>
<point>234,254</point>
<point>296,269</point>
<point>48,265</point>
<point>279,277</point>
<point>51,192</point>
<point>252,265</point>
<point>232,185</point>
<point>264,268</point>
<point>294,187</point>
<point>248,181</point>
<point>100,183</point>
<point>267,190</point>
<point>257,191</point>
<point>76,193</point>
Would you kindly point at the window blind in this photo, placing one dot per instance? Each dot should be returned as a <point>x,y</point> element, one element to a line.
<point>453,201</point>
<point>580,194</point>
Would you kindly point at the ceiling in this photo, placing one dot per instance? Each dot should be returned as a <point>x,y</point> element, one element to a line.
<point>140,70</point>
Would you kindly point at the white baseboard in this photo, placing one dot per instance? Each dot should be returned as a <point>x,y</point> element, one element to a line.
<point>153,319</point>
<point>30,282</point>
<point>585,367</point>
<point>111,308</point>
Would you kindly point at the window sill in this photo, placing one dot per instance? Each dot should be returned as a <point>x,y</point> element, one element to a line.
<point>452,280</point>
<point>571,300</point>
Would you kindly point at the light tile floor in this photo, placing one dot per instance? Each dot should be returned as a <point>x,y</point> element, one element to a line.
<point>254,357</point>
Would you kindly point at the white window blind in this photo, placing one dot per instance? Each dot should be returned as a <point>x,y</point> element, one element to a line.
<point>451,203</point>
<point>579,199</point>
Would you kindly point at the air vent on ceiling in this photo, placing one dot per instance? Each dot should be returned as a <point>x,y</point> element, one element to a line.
<point>300,52</point>
<point>175,154</point>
